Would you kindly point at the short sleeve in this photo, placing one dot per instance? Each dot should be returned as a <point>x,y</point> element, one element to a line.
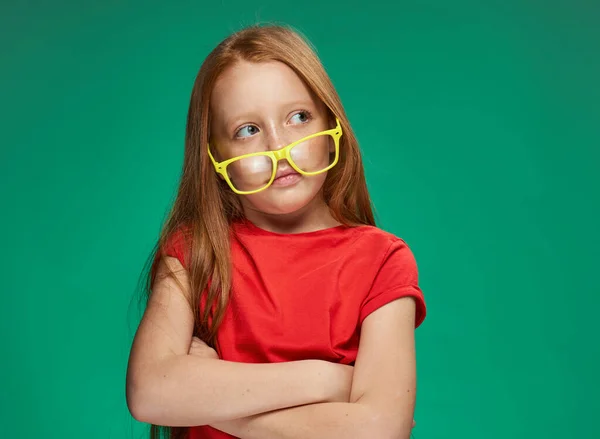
<point>176,246</point>
<point>397,277</point>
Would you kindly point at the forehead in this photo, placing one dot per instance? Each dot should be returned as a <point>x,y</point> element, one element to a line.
<point>247,87</point>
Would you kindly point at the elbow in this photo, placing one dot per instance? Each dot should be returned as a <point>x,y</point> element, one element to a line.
<point>154,396</point>
<point>388,430</point>
<point>383,424</point>
<point>138,403</point>
<point>146,395</point>
<point>392,433</point>
<point>138,411</point>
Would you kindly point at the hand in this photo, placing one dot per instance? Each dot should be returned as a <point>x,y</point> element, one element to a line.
<point>201,349</point>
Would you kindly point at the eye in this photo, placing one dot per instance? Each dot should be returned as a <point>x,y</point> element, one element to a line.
<point>247,131</point>
<point>301,117</point>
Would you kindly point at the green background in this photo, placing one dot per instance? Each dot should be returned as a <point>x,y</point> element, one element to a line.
<point>480,126</point>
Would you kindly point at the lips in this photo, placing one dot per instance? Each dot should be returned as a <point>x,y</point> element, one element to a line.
<point>284,173</point>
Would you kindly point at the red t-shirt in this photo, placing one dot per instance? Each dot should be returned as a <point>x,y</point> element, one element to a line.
<point>304,296</point>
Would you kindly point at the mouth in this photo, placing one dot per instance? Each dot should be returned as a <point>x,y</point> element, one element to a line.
<point>285,173</point>
<point>287,178</point>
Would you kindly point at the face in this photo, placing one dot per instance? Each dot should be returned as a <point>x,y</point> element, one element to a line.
<point>258,107</point>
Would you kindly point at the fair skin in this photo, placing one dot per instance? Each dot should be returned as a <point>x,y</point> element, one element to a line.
<point>265,106</point>
<point>176,380</point>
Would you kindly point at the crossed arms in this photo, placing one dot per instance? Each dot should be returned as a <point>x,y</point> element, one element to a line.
<point>166,385</point>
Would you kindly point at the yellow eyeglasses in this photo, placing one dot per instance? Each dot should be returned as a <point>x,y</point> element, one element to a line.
<point>251,173</point>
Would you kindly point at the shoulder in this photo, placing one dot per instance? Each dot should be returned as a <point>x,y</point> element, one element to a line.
<point>382,243</point>
<point>177,243</point>
<point>396,271</point>
<point>377,234</point>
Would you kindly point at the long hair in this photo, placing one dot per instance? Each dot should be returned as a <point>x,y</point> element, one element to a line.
<point>205,207</point>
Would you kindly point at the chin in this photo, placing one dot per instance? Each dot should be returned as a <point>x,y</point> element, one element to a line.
<point>280,205</point>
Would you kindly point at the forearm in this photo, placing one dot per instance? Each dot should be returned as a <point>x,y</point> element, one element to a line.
<point>326,420</point>
<point>186,390</point>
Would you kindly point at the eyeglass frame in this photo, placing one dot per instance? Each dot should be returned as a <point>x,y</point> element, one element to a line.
<point>276,156</point>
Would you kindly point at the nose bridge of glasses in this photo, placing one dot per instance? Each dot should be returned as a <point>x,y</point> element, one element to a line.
<point>279,154</point>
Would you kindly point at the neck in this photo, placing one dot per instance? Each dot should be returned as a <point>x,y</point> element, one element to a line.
<point>312,217</point>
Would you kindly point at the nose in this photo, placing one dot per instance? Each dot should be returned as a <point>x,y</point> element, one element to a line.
<point>276,139</point>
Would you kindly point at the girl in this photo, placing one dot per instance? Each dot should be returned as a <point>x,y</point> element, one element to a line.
<point>271,257</point>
